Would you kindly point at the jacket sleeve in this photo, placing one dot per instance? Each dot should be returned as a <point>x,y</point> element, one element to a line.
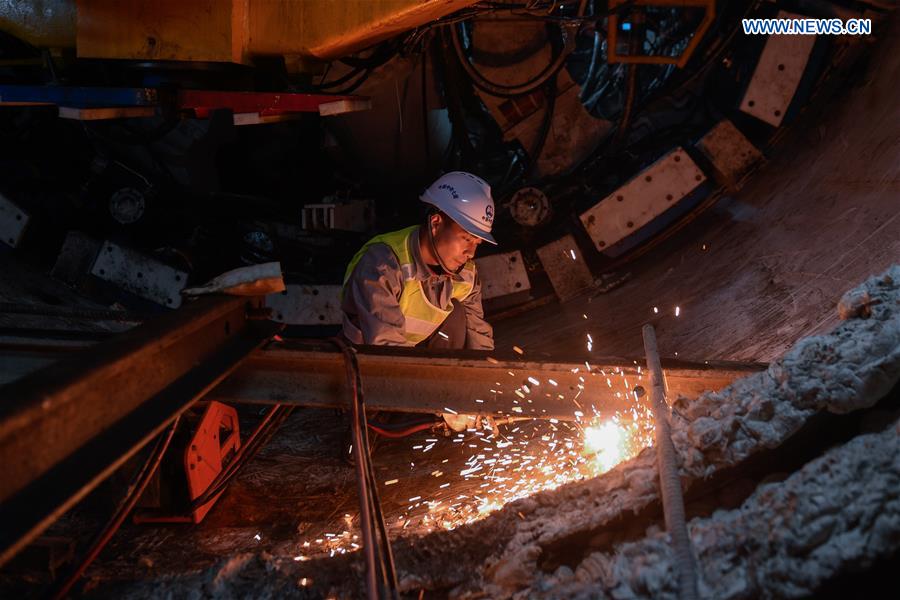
<point>371,303</point>
<point>479,333</point>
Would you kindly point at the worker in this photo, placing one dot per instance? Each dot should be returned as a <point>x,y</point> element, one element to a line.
<point>418,286</point>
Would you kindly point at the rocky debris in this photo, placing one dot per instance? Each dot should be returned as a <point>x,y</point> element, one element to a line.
<point>839,513</point>
<point>850,368</point>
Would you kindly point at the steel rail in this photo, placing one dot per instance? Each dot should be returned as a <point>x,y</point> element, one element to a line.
<point>413,380</point>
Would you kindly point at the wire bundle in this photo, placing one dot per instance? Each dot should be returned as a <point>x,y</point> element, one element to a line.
<point>381,576</point>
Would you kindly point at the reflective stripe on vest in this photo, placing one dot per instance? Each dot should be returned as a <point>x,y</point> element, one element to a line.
<point>421,317</point>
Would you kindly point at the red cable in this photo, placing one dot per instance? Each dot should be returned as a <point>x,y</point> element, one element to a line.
<point>403,432</point>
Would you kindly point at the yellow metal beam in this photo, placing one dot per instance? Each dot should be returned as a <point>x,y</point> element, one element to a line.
<point>327,29</point>
<point>237,30</point>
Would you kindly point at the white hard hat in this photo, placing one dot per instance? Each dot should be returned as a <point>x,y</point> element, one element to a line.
<point>466,199</point>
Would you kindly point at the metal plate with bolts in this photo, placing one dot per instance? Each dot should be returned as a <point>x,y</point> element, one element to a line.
<point>139,274</point>
<point>730,153</point>
<point>13,221</point>
<point>569,274</point>
<point>307,305</point>
<point>502,274</point>
<point>777,74</point>
<point>646,196</point>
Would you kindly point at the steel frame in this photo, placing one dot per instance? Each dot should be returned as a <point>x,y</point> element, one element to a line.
<point>65,428</point>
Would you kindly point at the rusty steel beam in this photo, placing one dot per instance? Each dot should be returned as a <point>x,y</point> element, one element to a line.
<point>66,427</point>
<point>412,380</point>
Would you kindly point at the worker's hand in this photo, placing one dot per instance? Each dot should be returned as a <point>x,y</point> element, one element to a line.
<point>458,422</point>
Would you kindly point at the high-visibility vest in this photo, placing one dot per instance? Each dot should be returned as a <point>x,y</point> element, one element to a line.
<point>422,318</point>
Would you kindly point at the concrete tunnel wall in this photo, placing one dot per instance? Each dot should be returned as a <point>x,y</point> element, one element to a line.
<point>819,218</point>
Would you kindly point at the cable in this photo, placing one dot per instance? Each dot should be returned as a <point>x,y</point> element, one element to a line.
<point>424,418</point>
<point>526,87</point>
<point>496,89</point>
<point>340,80</point>
<point>401,433</point>
<point>131,498</point>
<point>381,575</point>
<point>590,74</point>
